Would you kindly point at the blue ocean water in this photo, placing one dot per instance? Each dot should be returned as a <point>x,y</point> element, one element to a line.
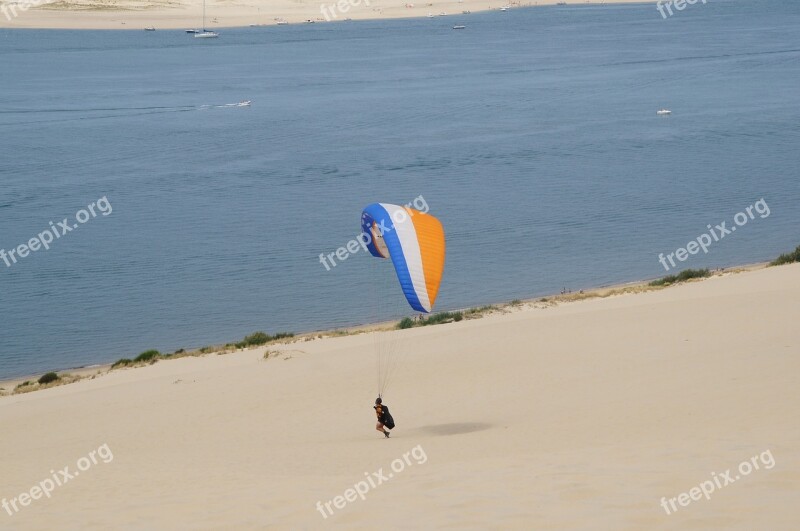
<point>532,134</point>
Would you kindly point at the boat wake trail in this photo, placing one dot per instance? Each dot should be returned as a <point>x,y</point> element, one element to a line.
<point>245,103</point>
<point>99,113</point>
<point>94,109</point>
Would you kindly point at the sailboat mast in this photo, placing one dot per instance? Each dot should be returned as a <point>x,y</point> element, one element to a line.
<point>205,34</point>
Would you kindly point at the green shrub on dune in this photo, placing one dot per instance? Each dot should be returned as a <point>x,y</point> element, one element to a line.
<point>48,378</point>
<point>437,318</point>
<point>479,311</point>
<point>260,338</point>
<point>681,277</point>
<point>257,338</point>
<point>788,258</point>
<point>405,322</point>
<point>441,318</point>
<point>147,355</point>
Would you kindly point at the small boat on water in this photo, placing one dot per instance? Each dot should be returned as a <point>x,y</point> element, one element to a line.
<point>663,112</point>
<point>504,8</point>
<point>206,34</point>
<point>459,27</point>
<point>192,31</point>
<point>282,23</point>
<point>149,28</point>
<point>245,103</point>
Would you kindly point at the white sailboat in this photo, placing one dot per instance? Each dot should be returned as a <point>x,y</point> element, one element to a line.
<point>205,34</point>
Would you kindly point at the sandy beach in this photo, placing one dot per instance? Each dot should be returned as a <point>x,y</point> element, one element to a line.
<point>187,14</point>
<point>586,415</point>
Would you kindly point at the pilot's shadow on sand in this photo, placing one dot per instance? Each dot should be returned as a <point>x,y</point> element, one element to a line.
<point>455,429</point>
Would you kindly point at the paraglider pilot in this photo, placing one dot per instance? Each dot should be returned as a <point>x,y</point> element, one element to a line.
<point>384,417</point>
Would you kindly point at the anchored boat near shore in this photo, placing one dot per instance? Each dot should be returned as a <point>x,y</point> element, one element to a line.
<point>205,34</point>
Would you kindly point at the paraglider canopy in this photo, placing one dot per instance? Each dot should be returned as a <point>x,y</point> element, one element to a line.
<point>415,243</point>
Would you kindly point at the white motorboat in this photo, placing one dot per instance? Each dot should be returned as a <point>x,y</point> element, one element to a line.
<point>459,27</point>
<point>663,112</point>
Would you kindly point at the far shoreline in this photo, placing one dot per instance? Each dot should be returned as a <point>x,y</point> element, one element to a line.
<point>624,288</point>
<point>134,15</point>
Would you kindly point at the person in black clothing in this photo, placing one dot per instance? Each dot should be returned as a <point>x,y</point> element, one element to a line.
<point>383,417</point>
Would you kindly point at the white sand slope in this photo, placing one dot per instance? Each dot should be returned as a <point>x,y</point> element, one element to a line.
<point>581,416</point>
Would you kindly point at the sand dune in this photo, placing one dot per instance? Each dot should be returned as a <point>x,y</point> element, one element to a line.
<point>187,14</point>
<point>580,416</point>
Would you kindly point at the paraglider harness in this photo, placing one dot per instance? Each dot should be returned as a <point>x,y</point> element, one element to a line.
<point>384,416</point>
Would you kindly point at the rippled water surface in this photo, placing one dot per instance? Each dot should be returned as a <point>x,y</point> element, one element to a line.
<point>532,134</point>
